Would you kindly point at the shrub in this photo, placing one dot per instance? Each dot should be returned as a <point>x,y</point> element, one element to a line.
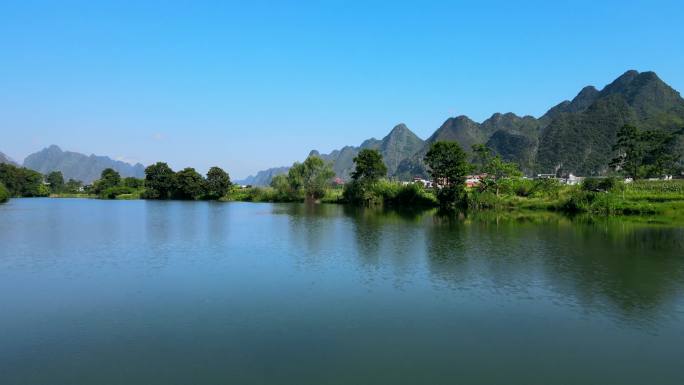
<point>113,192</point>
<point>4,194</point>
<point>601,184</point>
<point>412,195</point>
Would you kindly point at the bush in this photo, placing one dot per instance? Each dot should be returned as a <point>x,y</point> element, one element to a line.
<point>601,184</point>
<point>4,194</point>
<point>114,192</point>
<point>412,195</point>
<point>542,188</point>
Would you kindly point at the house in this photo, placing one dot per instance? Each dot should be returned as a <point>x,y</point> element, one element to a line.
<point>424,182</point>
<point>573,180</point>
<point>474,180</point>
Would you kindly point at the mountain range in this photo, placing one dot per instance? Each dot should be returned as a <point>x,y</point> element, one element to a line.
<point>74,165</point>
<point>575,136</point>
<point>6,159</point>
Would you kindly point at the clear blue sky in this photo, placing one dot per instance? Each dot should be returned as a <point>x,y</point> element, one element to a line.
<point>249,85</point>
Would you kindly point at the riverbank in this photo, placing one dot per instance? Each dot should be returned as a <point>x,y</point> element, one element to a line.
<point>664,198</point>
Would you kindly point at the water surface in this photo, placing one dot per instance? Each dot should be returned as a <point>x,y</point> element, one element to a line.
<point>142,292</point>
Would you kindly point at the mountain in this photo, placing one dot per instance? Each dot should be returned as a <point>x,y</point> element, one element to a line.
<point>580,135</point>
<point>6,159</point>
<point>399,144</point>
<point>74,165</point>
<point>263,178</point>
<point>575,136</point>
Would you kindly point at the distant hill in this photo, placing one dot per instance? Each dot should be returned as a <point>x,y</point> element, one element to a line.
<point>74,165</point>
<point>263,178</point>
<point>574,136</point>
<point>400,143</point>
<point>6,159</point>
<point>580,134</point>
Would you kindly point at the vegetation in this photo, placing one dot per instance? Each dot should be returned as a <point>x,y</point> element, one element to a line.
<point>55,180</point>
<point>312,177</point>
<point>648,153</point>
<point>159,181</point>
<point>4,193</point>
<point>22,182</point>
<point>447,164</point>
<point>217,184</point>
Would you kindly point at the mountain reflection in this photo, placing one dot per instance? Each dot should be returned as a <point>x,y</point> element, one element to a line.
<point>624,269</point>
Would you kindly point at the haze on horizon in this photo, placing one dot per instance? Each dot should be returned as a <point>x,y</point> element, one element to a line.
<point>252,86</point>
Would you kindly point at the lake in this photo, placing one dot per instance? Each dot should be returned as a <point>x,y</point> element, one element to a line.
<point>144,292</point>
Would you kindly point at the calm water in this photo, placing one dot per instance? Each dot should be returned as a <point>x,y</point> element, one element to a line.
<point>135,292</point>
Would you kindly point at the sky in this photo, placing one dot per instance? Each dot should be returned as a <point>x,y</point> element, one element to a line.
<point>250,85</point>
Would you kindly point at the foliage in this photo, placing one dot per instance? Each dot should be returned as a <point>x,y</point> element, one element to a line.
<point>448,166</point>
<point>482,155</point>
<point>369,166</point>
<point>160,181</point>
<point>108,178</point>
<point>56,181</point>
<point>115,191</point>
<point>649,153</point>
<point>217,183</point>
<point>601,184</point>
<point>4,193</point>
<point>498,174</point>
<point>133,183</point>
<point>22,182</point>
<point>189,184</point>
<point>312,177</point>
<point>73,186</point>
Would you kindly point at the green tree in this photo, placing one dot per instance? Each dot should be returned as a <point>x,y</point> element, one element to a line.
<point>217,184</point>
<point>22,182</point>
<point>482,155</point>
<point>312,177</point>
<point>56,181</point>
<point>281,185</point>
<point>448,166</point>
<point>159,181</point>
<point>498,173</point>
<point>133,183</point>
<point>4,193</point>
<point>109,178</point>
<point>189,184</point>
<point>369,166</point>
<point>630,151</point>
<point>661,154</point>
<point>73,186</point>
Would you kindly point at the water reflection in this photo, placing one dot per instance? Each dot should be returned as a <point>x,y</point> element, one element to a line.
<point>609,266</point>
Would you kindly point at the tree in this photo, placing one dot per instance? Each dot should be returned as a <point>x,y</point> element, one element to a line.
<point>159,181</point>
<point>312,177</point>
<point>369,166</point>
<point>498,172</point>
<point>132,182</point>
<point>56,181</point>
<point>22,182</point>
<point>282,187</point>
<point>189,184</point>
<point>109,178</point>
<point>650,153</point>
<point>448,166</point>
<point>630,151</point>
<point>660,152</point>
<point>73,186</point>
<point>482,155</point>
<point>4,193</point>
<point>217,184</point>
